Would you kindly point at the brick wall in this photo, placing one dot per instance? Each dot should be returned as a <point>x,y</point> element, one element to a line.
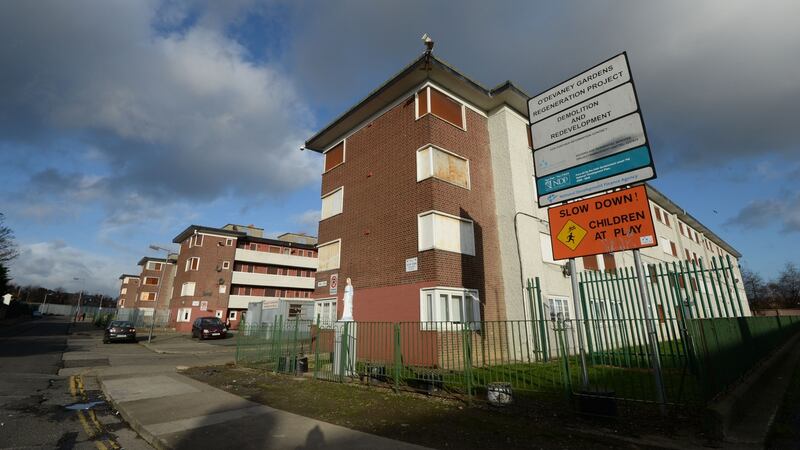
<point>378,225</point>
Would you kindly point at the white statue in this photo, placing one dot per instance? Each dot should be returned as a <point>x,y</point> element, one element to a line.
<point>347,314</point>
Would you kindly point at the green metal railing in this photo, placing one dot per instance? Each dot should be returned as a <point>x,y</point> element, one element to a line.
<point>703,342</point>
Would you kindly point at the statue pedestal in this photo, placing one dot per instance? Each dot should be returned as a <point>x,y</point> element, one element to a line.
<point>344,350</point>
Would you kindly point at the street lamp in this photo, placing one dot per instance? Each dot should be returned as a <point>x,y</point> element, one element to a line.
<point>80,296</point>
<point>160,287</point>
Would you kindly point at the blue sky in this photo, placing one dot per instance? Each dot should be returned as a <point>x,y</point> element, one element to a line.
<point>123,122</point>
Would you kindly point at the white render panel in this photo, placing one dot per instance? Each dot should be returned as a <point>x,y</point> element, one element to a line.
<point>242,301</point>
<point>277,259</point>
<point>278,281</point>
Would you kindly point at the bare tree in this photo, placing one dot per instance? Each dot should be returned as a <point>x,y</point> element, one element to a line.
<point>786,288</point>
<point>8,248</point>
<point>755,288</point>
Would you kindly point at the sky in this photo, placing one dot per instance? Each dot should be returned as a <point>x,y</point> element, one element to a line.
<point>123,122</point>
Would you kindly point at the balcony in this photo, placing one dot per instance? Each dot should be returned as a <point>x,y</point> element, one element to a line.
<point>243,301</point>
<point>275,281</point>
<point>277,259</point>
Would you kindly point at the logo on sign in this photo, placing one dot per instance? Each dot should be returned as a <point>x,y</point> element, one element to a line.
<point>557,181</point>
<point>571,235</point>
<point>203,306</point>
<point>646,240</point>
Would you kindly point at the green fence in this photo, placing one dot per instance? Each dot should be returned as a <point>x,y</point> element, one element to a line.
<point>703,342</point>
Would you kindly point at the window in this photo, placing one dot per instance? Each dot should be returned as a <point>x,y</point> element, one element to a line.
<point>688,255</point>
<point>547,248</point>
<point>196,241</point>
<point>228,242</point>
<point>445,232</point>
<point>184,315</point>
<point>329,255</point>
<point>123,291</point>
<point>437,163</point>
<point>325,312</point>
<point>152,265</point>
<point>332,203</point>
<point>665,245</point>
<point>451,305</point>
<point>559,308</point>
<point>226,265</point>
<point>661,316</point>
<point>295,309</point>
<point>440,105</point>
<point>126,280</point>
<point>666,220</point>
<point>674,249</point>
<point>683,230</point>
<point>610,263</point>
<point>122,303</point>
<point>147,296</point>
<point>151,281</point>
<point>187,289</point>
<point>231,315</point>
<point>192,264</point>
<point>334,156</point>
<point>658,213</point>
<point>590,263</point>
<point>218,314</point>
<point>221,288</point>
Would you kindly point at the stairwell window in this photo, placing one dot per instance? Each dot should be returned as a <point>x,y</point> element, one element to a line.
<point>329,254</point>
<point>446,166</point>
<point>335,156</point>
<point>192,264</point>
<point>442,306</point>
<point>332,203</point>
<point>440,231</point>
<point>433,101</point>
<point>151,281</point>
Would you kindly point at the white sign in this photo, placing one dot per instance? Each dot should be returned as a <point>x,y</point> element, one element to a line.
<point>204,306</point>
<point>602,109</point>
<point>269,304</point>
<point>605,140</point>
<point>195,302</point>
<point>411,264</point>
<point>598,79</point>
<point>588,135</point>
<point>322,283</point>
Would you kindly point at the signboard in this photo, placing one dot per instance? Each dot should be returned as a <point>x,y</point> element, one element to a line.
<point>203,305</point>
<point>322,283</point>
<point>269,304</point>
<point>334,284</point>
<point>588,135</point>
<point>411,264</point>
<point>608,223</point>
<point>195,302</point>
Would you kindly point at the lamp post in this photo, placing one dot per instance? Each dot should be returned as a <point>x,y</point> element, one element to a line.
<point>80,296</point>
<point>160,286</point>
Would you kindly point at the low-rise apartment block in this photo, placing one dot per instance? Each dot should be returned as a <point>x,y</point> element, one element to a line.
<point>128,291</point>
<point>155,283</point>
<point>220,271</point>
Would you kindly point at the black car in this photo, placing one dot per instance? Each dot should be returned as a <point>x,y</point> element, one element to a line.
<point>119,330</point>
<point>208,327</point>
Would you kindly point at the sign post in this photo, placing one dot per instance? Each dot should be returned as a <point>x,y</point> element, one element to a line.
<point>652,337</point>
<point>578,318</point>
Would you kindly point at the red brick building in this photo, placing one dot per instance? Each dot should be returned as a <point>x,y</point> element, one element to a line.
<point>155,284</point>
<point>221,270</point>
<point>128,291</point>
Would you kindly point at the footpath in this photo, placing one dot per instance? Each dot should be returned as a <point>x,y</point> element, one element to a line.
<point>172,411</point>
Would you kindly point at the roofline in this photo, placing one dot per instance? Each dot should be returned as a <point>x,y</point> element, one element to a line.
<point>684,216</point>
<point>279,242</point>
<point>145,259</point>
<point>188,231</point>
<point>415,65</point>
<point>127,275</point>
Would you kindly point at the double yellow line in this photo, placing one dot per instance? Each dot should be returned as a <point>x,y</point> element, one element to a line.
<point>94,429</point>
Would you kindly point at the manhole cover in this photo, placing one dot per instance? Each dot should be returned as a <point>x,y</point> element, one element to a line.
<point>85,362</point>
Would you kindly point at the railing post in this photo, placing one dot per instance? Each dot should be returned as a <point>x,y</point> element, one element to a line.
<point>573,276</point>
<point>316,349</point>
<point>397,357</point>
<point>466,344</point>
<point>651,332</point>
<point>542,322</point>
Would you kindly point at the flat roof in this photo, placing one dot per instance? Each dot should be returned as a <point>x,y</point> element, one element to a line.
<point>128,275</point>
<point>238,234</point>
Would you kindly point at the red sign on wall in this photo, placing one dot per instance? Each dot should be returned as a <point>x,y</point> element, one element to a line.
<point>334,284</point>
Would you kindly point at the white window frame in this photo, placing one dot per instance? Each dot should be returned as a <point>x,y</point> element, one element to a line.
<point>322,215</point>
<point>231,315</point>
<point>185,291</point>
<point>559,305</point>
<point>150,264</point>
<point>228,242</point>
<point>665,245</point>
<point>189,264</point>
<point>325,311</point>
<point>226,265</point>
<point>431,167</point>
<point>338,256</point>
<point>433,245</point>
<point>155,296</point>
<point>428,87</point>
<point>184,315</point>
<point>145,283</point>
<point>344,155</point>
<point>123,291</point>
<point>436,310</point>
<point>222,288</point>
<point>193,240</point>
<point>218,314</point>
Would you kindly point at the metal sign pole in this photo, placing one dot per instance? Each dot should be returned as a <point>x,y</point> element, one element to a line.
<point>579,320</point>
<point>651,332</point>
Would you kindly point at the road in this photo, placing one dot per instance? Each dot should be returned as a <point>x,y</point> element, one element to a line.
<point>34,399</point>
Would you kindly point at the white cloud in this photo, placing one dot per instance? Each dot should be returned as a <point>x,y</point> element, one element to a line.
<point>307,221</point>
<point>54,264</point>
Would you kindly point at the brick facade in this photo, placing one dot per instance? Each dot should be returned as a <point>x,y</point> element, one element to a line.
<point>130,285</point>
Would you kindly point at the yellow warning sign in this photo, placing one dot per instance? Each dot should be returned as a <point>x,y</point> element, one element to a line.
<point>571,235</point>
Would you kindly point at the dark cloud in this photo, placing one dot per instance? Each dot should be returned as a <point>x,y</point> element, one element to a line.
<point>716,79</point>
<point>768,213</point>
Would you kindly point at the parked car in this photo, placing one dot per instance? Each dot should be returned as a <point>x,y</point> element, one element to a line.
<point>208,327</point>
<point>119,330</point>
<point>37,314</point>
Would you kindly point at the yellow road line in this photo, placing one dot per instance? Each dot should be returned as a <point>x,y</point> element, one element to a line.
<point>94,429</point>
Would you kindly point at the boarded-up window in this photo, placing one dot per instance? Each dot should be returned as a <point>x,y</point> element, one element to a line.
<point>422,102</point>
<point>666,220</point>
<point>674,249</point>
<point>187,288</point>
<point>547,248</point>
<point>147,296</point>
<point>334,156</point>
<point>661,317</point>
<point>444,232</point>
<point>590,263</point>
<point>332,204</point>
<point>688,255</point>
<point>437,163</point>
<point>651,269</point>
<point>610,263</point>
<point>329,256</point>
<point>658,213</point>
<point>152,281</point>
<point>446,108</point>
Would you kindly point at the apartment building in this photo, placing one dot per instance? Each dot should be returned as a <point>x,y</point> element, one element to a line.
<point>429,206</point>
<point>128,291</point>
<point>155,284</point>
<point>222,270</point>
